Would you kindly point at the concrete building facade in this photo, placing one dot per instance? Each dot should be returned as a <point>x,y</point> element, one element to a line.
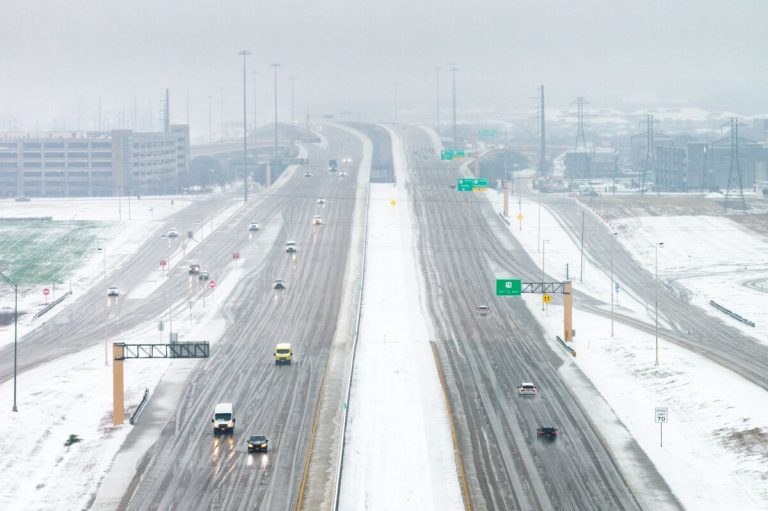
<point>93,164</point>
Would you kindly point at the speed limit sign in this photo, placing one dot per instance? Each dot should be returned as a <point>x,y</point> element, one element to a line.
<point>662,415</point>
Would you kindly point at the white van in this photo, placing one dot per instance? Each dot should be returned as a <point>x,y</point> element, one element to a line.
<point>223,418</point>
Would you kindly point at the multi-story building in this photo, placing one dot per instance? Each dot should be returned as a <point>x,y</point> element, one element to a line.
<point>93,164</point>
<point>598,162</point>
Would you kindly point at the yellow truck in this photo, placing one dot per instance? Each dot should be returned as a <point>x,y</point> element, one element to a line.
<point>283,353</point>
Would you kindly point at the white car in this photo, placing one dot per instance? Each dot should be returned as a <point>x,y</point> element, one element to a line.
<point>290,246</point>
<point>253,226</point>
<point>527,389</point>
<point>173,233</point>
<point>342,173</point>
<point>307,174</point>
<point>483,310</point>
<point>113,291</point>
<point>317,220</point>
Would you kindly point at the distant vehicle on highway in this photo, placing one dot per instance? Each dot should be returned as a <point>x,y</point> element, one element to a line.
<point>452,186</point>
<point>317,220</point>
<point>546,432</point>
<point>22,198</point>
<point>342,173</point>
<point>173,233</point>
<point>527,389</point>
<point>346,160</point>
<point>194,267</point>
<point>290,246</point>
<point>333,166</point>
<point>283,353</point>
<point>307,174</point>
<point>257,443</point>
<point>483,310</point>
<point>321,201</point>
<point>278,284</point>
<point>253,226</point>
<point>223,418</point>
<point>589,193</point>
<point>203,275</point>
<point>113,291</point>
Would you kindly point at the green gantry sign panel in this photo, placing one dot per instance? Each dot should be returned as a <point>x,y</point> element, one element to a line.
<point>472,184</point>
<point>450,154</point>
<point>488,133</point>
<point>509,287</point>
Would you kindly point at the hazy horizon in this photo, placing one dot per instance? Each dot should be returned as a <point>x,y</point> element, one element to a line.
<point>62,57</point>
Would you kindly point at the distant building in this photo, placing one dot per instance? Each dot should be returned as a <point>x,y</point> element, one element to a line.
<point>595,163</point>
<point>94,164</point>
<point>671,169</point>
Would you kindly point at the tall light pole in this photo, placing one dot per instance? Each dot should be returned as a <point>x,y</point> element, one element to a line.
<point>15,330</point>
<point>543,252</point>
<point>210,119</point>
<point>245,54</point>
<point>274,66</point>
<point>437,97</point>
<point>106,299</point>
<point>453,73</point>
<point>581,267</point>
<point>255,111</point>
<point>658,246</point>
<point>613,235</point>
<point>396,84</point>
<point>293,84</point>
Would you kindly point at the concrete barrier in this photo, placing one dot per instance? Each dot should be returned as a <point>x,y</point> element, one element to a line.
<point>731,313</point>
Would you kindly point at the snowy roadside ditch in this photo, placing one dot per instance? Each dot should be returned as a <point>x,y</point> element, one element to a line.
<point>715,445</point>
<point>396,404</point>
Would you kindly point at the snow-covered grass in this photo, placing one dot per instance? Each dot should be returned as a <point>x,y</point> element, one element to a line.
<point>715,453</point>
<point>398,451</point>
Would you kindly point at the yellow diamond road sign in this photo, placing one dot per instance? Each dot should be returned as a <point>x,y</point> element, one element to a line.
<point>393,202</point>
<point>520,217</point>
<point>546,298</point>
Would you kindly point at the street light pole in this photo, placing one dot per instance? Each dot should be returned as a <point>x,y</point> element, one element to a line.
<point>106,299</point>
<point>275,66</point>
<point>210,120</point>
<point>245,54</point>
<point>543,253</point>
<point>293,84</point>
<point>437,97</point>
<point>15,331</point>
<point>581,268</point>
<point>613,235</point>
<point>658,246</point>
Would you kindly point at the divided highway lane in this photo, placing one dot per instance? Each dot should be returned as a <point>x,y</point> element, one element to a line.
<point>692,328</point>
<point>485,358</point>
<point>81,323</point>
<point>190,468</point>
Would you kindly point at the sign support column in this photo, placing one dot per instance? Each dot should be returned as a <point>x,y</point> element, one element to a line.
<point>118,406</point>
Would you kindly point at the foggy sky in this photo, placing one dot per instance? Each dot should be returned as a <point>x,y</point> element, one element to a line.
<point>59,57</point>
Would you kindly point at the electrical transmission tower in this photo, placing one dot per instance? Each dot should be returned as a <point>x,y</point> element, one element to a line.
<point>734,163</point>
<point>580,123</point>
<point>543,167</point>
<point>650,153</point>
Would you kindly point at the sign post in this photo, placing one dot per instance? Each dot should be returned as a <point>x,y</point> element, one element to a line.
<point>46,292</point>
<point>212,285</point>
<point>662,416</point>
<point>509,287</point>
<point>163,262</point>
<point>235,256</point>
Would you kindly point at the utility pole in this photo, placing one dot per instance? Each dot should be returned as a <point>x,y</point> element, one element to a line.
<point>245,54</point>
<point>542,136</point>
<point>396,101</point>
<point>210,119</point>
<point>581,267</point>
<point>222,114</point>
<point>658,246</point>
<point>255,111</point>
<point>453,81</point>
<point>167,112</point>
<point>293,83</point>
<point>437,97</point>
<point>274,66</point>
<point>613,235</point>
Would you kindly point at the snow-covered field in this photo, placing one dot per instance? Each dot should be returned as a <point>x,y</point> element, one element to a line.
<point>398,452</point>
<point>715,453</point>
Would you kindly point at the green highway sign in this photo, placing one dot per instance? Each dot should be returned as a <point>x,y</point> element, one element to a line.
<point>488,133</point>
<point>509,287</point>
<point>446,154</point>
<point>469,184</point>
<point>459,154</point>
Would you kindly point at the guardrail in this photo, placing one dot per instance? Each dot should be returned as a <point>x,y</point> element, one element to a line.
<point>506,220</point>
<point>140,408</point>
<point>731,313</point>
<point>565,346</point>
<point>337,488</point>
<point>52,305</point>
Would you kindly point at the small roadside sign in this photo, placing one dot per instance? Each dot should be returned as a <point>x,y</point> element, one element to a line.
<point>662,415</point>
<point>393,203</point>
<point>236,255</point>
<point>46,291</point>
<point>509,287</point>
<point>212,284</point>
<point>546,298</point>
<point>519,217</point>
<point>163,262</point>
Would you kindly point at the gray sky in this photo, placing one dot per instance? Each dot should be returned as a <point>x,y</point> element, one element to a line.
<point>59,57</point>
